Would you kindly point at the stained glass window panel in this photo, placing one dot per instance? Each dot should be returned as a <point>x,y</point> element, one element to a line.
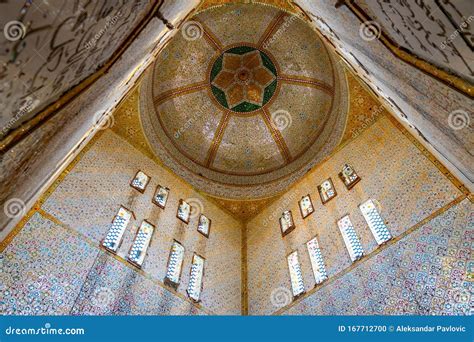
<point>161,196</point>
<point>184,211</point>
<point>306,206</point>
<point>317,262</point>
<point>204,225</point>
<point>375,222</point>
<point>140,245</point>
<point>117,229</point>
<point>348,176</point>
<point>326,191</point>
<point>286,222</point>
<point>350,237</point>
<point>195,278</point>
<point>140,181</point>
<point>175,263</point>
<point>296,276</point>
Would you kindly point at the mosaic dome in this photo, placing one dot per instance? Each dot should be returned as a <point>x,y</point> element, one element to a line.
<point>243,101</point>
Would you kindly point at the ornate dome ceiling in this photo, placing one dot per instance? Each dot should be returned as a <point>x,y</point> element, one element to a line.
<point>244,101</point>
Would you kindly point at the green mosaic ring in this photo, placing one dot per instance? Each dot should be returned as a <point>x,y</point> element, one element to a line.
<point>243,79</point>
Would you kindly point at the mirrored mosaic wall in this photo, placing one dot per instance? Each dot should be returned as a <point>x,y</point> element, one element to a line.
<point>404,187</point>
<point>428,272</point>
<point>67,270</point>
<point>101,212</point>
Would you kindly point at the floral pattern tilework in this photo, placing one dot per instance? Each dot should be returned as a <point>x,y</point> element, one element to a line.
<point>60,274</point>
<point>425,273</point>
<point>407,185</point>
<point>89,196</point>
<point>42,270</point>
<point>112,288</point>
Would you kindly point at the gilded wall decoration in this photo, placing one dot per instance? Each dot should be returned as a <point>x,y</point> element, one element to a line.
<point>245,114</point>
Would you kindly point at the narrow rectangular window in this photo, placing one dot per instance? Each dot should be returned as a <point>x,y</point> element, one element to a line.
<point>140,181</point>
<point>348,176</point>
<point>119,224</point>
<point>350,237</point>
<point>204,225</point>
<point>140,245</point>
<point>161,196</point>
<point>175,263</point>
<point>195,278</point>
<point>306,206</point>
<point>375,222</point>
<point>286,222</point>
<point>317,262</point>
<point>296,276</point>
<point>326,191</point>
<point>184,211</point>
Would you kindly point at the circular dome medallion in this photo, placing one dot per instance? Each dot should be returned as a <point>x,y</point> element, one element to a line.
<point>243,109</point>
<point>243,79</point>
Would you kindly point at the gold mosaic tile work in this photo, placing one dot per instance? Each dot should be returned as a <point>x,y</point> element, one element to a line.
<point>281,4</point>
<point>364,110</point>
<point>275,103</point>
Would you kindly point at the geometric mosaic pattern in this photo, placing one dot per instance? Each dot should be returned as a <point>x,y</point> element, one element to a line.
<point>410,195</point>
<point>317,262</point>
<point>425,273</point>
<point>375,222</point>
<point>140,245</point>
<point>351,239</point>
<point>60,274</point>
<point>296,275</point>
<point>175,263</point>
<point>114,236</point>
<point>243,79</point>
<point>63,272</point>
<point>88,198</point>
<point>43,269</point>
<point>195,278</point>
